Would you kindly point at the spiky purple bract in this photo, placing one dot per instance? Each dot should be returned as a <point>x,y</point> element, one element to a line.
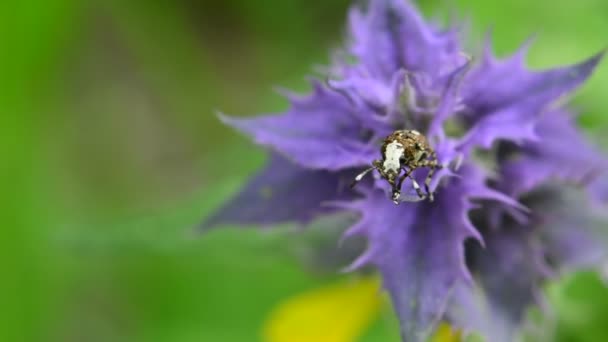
<point>410,75</point>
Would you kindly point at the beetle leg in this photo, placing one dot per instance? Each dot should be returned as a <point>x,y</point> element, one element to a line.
<point>416,187</point>
<point>428,179</point>
<point>433,166</point>
<point>399,183</point>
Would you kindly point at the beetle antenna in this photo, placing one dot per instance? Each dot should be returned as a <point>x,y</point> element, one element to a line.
<point>361,175</point>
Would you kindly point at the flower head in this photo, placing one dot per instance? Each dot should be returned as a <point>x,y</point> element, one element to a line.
<point>493,232</point>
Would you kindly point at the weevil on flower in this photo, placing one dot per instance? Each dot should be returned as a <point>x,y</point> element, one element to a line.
<point>504,229</point>
<point>404,150</point>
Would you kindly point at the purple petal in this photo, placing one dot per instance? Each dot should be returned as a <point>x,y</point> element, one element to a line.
<point>515,123</point>
<point>366,90</point>
<point>283,192</point>
<point>598,189</point>
<point>418,248</point>
<point>508,272</point>
<point>378,103</point>
<point>500,84</point>
<point>449,99</point>
<point>561,152</point>
<point>419,254</point>
<point>565,233</point>
<point>392,35</point>
<point>572,228</point>
<point>322,131</point>
<point>506,100</point>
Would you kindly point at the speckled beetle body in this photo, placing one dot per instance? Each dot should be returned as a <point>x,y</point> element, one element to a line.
<point>404,151</point>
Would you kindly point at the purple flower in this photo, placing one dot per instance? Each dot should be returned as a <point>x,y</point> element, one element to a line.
<point>511,207</point>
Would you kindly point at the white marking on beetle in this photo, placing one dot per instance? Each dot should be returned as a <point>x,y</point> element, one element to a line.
<point>416,132</point>
<point>393,153</point>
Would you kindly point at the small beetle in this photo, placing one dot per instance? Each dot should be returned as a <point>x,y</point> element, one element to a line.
<point>404,150</point>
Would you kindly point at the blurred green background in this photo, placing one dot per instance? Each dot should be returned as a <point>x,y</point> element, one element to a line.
<point>111,154</point>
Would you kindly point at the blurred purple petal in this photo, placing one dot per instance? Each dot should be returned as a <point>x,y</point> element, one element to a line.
<point>560,153</point>
<point>509,270</point>
<point>283,192</point>
<point>566,233</point>
<point>571,227</point>
<point>598,189</point>
<point>508,274</point>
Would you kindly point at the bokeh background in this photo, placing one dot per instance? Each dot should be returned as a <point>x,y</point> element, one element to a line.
<point>111,154</point>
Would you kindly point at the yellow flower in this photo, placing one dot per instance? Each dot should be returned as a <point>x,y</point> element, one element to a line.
<point>445,333</point>
<point>340,312</point>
